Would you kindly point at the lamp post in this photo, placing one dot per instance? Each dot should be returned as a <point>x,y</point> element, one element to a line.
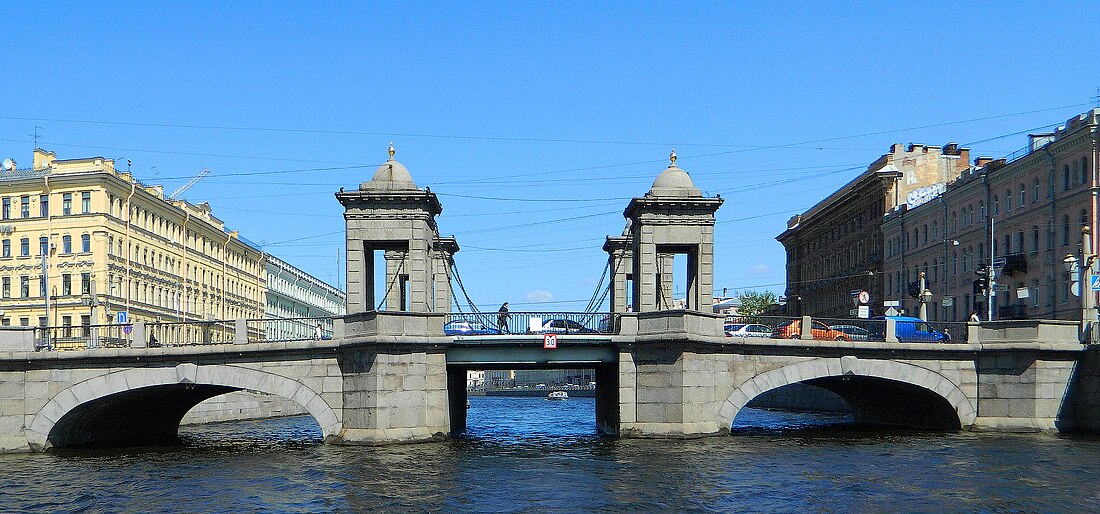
<point>925,297</point>
<point>1082,271</point>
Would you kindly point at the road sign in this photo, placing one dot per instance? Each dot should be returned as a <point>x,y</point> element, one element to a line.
<point>120,317</point>
<point>864,311</point>
<point>127,328</point>
<point>891,312</point>
<point>999,262</point>
<point>550,341</point>
<point>892,303</point>
<point>1094,282</point>
<point>864,297</point>
<point>1000,288</point>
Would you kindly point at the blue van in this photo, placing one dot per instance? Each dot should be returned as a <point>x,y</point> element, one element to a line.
<point>909,330</point>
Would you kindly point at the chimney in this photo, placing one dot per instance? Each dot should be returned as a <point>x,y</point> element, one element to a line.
<point>982,161</point>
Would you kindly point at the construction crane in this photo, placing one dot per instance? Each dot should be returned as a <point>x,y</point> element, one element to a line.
<point>194,180</point>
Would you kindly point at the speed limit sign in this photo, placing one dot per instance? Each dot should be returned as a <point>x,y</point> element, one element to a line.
<point>549,341</point>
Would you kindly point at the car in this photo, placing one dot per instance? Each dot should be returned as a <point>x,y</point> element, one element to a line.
<point>564,326</point>
<point>908,330</point>
<point>747,330</point>
<point>854,332</point>
<point>463,327</point>
<point>792,329</point>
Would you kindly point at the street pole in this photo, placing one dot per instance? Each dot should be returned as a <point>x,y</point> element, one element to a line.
<point>991,297</point>
<point>924,296</point>
<point>46,294</point>
<point>1084,284</point>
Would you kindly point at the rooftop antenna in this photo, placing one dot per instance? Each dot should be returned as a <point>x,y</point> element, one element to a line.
<point>35,135</point>
<point>1097,97</point>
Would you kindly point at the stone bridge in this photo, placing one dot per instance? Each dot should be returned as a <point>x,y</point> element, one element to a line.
<point>660,376</point>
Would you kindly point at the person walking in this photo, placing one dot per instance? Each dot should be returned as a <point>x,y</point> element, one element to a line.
<point>318,332</point>
<point>502,318</point>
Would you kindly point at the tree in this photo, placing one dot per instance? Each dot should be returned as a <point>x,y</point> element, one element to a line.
<point>755,302</point>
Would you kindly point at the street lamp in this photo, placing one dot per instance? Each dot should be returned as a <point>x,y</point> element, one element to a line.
<point>925,297</point>
<point>1081,271</point>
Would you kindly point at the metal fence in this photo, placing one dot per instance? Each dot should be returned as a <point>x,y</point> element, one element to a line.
<point>846,329</point>
<point>490,323</point>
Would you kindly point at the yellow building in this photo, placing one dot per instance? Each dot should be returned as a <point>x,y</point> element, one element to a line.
<point>111,245</point>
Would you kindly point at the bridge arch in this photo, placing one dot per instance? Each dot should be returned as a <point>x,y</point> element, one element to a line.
<point>79,406</point>
<point>832,373</point>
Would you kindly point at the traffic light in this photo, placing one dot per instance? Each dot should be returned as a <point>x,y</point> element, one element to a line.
<point>982,272</point>
<point>980,285</point>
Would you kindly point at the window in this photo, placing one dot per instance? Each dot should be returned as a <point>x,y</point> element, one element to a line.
<point>86,202</point>
<point>24,247</point>
<point>110,245</point>
<point>42,288</point>
<point>66,244</point>
<point>43,245</point>
<point>954,221</point>
<point>1085,175</point>
<point>1035,193</point>
<point>1035,292</point>
<point>1084,217</point>
<point>7,248</point>
<point>1035,239</point>
<point>67,321</point>
<point>5,289</point>
<point>67,204</point>
<point>1076,174</point>
<point>25,206</point>
<point>44,205</point>
<point>24,286</point>
<point>1023,195</point>
<point>1008,201</point>
<point>6,212</point>
<point>85,243</point>
<point>996,209</point>
<point>1020,241</point>
<point>981,208</point>
<point>85,283</point>
<point>1065,230</point>
<point>1065,177</point>
<point>66,285</point>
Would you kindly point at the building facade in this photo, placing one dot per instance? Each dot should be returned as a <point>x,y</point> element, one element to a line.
<point>110,244</point>
<point>1021,216</point>
<point>836,247</point>
<point>293,295</point>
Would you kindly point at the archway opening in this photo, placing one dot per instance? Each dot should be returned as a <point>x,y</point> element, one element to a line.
<point>852,402</point>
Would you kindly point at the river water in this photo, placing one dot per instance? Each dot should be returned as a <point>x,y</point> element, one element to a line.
<point>530,454</point>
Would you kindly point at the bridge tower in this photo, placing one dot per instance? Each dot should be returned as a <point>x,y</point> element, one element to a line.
<point>390,222</point>
<point>673,218</point>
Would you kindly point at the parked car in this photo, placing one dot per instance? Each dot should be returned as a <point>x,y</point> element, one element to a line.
<point>855,332</point>
<point>564,326</point>
<point>747,330</point>
<point>792,329</point>
<point>462,327</point>
<point>909,330</point>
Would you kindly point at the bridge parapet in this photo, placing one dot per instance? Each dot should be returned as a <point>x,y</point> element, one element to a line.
<point>677,323</point>
<point>1045,332</point>
<point>398,323</point>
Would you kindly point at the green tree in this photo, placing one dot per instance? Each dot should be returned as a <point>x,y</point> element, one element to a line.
<point>754,303</point>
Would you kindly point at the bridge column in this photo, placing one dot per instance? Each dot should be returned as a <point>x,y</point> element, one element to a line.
<point>443,252</point>
<point>621,266</point>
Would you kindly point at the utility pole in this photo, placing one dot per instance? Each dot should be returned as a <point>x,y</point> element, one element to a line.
<point>991,298</point>
<point>46,294</point>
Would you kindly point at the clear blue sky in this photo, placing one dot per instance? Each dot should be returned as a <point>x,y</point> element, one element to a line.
<point>535,122</point>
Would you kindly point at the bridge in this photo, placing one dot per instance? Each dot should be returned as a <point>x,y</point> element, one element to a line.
<point>391,372</point>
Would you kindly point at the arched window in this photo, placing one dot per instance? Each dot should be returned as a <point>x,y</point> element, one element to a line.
<point>1020,241</point>
<point>955,263</point>
<point>1084,217</point>
<point>1035,191</point>
<point>1065,230</point>
<point>1023,195</point>
<point>924,234</point>
<point>935,230</point>
<point>1035,239</point>
<point>1065,177</point>
<point>935,270</point>
<point>1086,174</point>
<point>1076,173</point>
<point>1008,201</point>
<point>954,221</point>
<point>994,206</point>
<point>981,208</point>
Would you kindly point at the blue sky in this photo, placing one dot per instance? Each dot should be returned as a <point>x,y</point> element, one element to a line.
<point>534,122</point>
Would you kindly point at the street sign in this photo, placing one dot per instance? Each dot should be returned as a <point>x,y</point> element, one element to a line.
<point>892,303</point>
<point>120,317</point>
<point>864,312</point>
<point>891,312</point>
<point>1000,288</point>
<point>1094,282</point>
<point>999,262</point>
<point>864,297</point>
<point>549,341</point>
<point>127,328</point>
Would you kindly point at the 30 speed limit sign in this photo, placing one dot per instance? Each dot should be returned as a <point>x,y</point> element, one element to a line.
<point>549,341</point>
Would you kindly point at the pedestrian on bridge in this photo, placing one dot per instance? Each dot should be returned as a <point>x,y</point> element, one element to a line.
<point>502,318</point>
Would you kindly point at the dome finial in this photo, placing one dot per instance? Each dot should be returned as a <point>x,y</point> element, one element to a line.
<point>391,150</point>
<point>672,156</point>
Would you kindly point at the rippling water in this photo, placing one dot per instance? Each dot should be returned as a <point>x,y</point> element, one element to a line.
<point>530,454</point>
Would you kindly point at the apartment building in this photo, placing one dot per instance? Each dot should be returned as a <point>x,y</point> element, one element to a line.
<point>293,297</point>
<point>1020,215</point>
<point>84,241</point>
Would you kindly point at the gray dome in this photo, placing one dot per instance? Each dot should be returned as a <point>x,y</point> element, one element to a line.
<point>674,181</point>
<point>390,175</point>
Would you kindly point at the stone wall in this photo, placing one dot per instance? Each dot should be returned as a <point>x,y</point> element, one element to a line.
<point>241,405</point>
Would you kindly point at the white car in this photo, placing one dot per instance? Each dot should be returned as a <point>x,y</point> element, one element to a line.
<point>748,330</point>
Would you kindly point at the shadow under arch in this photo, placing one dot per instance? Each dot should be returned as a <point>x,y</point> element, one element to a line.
<point>144,406</point>
<point>880,391</point>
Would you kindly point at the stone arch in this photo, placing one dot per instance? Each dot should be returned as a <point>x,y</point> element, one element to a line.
<point>848,365</point>
<point>228,376</point>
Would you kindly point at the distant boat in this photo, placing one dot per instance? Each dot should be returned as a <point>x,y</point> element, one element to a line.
<point>558,395</point>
